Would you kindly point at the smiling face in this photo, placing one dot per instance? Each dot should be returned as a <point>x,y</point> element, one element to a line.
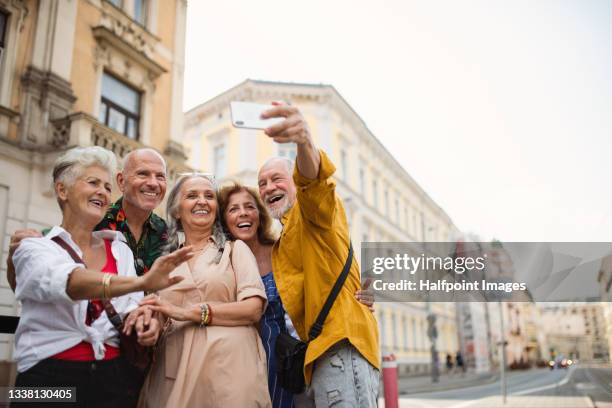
<point>242,216</point>
<point>88,198</point>
<point>197,206</point>
<point>276,188</point>
<point>143,180</point>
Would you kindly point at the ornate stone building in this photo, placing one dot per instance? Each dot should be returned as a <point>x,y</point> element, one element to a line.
<point>382,200</point>
<point>81,72</point>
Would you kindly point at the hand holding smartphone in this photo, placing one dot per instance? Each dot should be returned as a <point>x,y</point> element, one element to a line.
<point>247,115</point>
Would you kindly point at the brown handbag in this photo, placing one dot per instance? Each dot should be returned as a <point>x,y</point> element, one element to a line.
<point>140,357</point>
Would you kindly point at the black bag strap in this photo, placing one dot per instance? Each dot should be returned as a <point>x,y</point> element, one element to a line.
<point>317,326</point>
<point>112,314</point>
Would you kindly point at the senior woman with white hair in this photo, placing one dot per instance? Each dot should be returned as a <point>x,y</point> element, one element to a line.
<point>64,337</point>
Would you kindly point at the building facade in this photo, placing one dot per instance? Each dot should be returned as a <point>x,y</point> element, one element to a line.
<point>81,73</point>
<point>578,331</point>
<point>383,202</point>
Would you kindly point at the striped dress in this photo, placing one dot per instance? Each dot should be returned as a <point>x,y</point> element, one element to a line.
<point>272,324</point>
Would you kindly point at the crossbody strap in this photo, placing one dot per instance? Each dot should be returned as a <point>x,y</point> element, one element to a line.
<point>317,327</point>
<point>112,314</point>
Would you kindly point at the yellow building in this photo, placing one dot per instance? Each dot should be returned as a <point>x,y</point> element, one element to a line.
<point>383,202</point>
<point>81,72</point>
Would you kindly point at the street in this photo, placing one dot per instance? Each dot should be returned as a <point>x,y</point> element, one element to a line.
<point>579,386</point>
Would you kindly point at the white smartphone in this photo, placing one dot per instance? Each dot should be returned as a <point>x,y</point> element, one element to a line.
<point>247,115</point>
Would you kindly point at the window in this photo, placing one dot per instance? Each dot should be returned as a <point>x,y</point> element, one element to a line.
<point>120,107</point>
<point>415,345</point>
<point>3,25</point>
<point>406,220</point>
<point>405,331</point>
<point>362,181</point>
<point>375,193</point>
<point>383,329</point>
<point>287,150</point>
<point>343,165</point>
<point>140,11</point>
<point>387,203</point>
<point>219,161</point>
<point>135,8</point>
<point>397,217</point>
<point>422,336</point>
<point>394,331</point>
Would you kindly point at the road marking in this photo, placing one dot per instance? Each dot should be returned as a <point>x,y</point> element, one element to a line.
<point>585,386</point>
<point>408,402</point>
<point>564,381</point>
<point>549,386</point>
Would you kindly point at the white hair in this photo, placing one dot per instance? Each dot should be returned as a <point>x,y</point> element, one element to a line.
<point>287,162</point>
<point>69,166</point>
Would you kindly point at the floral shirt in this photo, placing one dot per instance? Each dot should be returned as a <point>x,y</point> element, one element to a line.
<point>149,247</point>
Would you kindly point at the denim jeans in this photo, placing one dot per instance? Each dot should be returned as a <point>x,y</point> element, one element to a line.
<point>341,378</point>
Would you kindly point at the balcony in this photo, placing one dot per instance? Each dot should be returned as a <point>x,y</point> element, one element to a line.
<point>82,129</point>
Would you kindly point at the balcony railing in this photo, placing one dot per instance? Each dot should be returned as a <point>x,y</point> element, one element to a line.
<point>82,129</point>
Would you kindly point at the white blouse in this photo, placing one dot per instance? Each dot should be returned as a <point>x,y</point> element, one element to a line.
<point>51,321</point>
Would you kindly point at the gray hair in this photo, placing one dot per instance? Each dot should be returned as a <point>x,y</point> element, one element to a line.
<point>174,225</point>
<point>70,166</point>
<point>287,162</point>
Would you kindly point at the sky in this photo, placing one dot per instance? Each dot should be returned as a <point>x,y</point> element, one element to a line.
<point>500,110</point>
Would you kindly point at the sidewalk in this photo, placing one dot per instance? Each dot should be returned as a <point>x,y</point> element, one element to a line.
<point>530,401</point>
<point>413,385</point>
<point>523,401</point>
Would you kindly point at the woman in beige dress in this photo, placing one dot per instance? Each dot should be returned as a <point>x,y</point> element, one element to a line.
<point>210,354</point>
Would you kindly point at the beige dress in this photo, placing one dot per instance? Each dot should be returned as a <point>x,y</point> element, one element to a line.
<point>214,366</point>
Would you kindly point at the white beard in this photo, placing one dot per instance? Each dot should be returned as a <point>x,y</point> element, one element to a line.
<point>278,212</point>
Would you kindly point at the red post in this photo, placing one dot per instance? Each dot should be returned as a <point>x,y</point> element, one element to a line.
<point>389,368</point>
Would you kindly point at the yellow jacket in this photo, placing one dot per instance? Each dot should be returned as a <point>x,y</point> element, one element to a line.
<point>307,260</point>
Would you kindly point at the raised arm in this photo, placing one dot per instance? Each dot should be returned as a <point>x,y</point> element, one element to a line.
<point>87,284</point>
<point>295,130</point>
<point>44,276</point>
